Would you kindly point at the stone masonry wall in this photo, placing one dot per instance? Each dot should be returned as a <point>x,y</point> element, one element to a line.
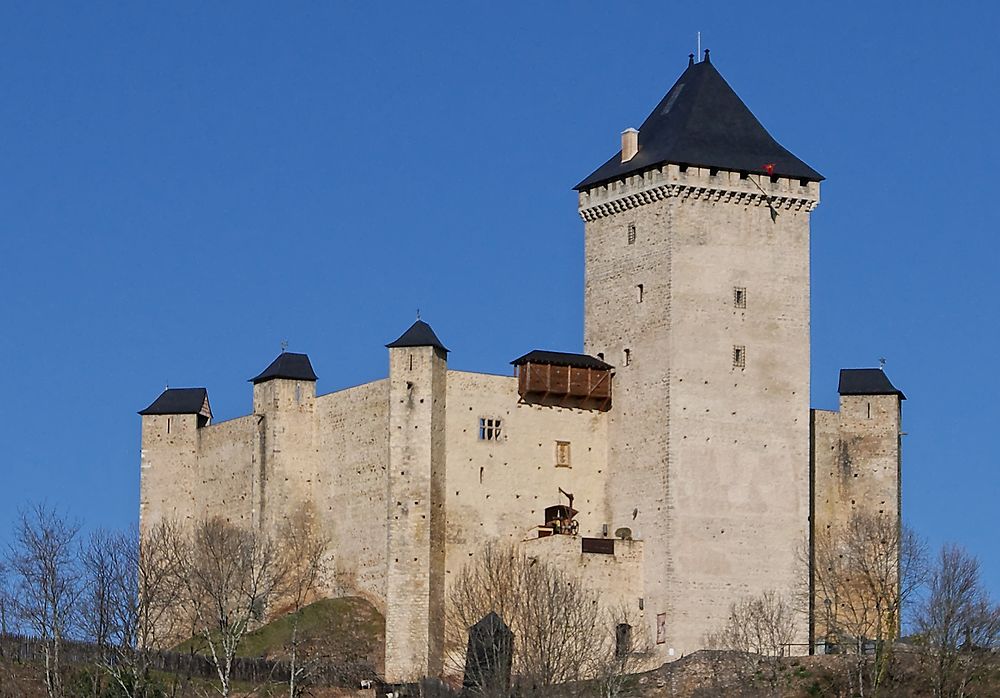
<point>188,473</point>
<point>500,488</point>
<point>352,441</point>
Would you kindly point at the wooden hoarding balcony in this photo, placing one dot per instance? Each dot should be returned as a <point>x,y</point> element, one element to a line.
<point>567,380</point>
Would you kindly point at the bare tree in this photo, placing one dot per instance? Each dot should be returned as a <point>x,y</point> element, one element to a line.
<point>43,563</point>
<point>227,576</point>
<point>760,631</point>
<point>865,572</point>
<point>303,553</point>
<point>134,592</point>
<point>558,625</point>
<point>958,624</point>
<point>99,570</point>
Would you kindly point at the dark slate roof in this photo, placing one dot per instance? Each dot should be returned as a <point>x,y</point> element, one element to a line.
<point>703,122</point>
<point>420,334</point>
<point>178,401</point>
<point>289,366</point>
<point>866,381</point>
<point>560,358</point>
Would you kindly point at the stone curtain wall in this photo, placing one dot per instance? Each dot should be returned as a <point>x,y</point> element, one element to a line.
<point>353,452</point>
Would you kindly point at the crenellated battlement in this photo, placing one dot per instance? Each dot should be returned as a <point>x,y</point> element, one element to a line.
<point>697,183</point>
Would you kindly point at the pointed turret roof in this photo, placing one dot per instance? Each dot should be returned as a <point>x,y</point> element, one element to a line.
<point>867,381</point>
<point>703,122</point>
<point>181,401</point>
<point>288,366</point>
<point>420,334</point>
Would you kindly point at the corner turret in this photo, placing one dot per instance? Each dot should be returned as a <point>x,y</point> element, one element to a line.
<point>171,430</point>
<point>418,375</point>
<point>288,381</point>
<point>855,462</point>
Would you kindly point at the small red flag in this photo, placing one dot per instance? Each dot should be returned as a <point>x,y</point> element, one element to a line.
<point>769,168</point>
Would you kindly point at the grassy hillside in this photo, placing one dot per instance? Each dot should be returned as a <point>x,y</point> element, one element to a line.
<point>350,624</point>
<point>344,629</point>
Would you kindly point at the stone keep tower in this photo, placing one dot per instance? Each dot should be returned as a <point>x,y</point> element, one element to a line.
<point>697,290</point>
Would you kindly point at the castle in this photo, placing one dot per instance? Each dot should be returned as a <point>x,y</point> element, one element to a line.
<point>683,430</point>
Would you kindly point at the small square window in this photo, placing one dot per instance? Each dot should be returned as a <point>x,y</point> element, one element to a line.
<point>489,429</point>
<point>562,454</point>
<point>739,357</point>
<point>631,233</point>
<point>739,297</point>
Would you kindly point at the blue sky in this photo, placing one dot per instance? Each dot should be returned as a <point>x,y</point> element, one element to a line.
<point>185,185</point>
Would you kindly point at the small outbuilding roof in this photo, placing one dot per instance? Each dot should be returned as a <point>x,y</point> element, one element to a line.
<point>420,334</point>
<point>702,122</point>
<point>288,366</point>
<point>867,381</point>
<point>180,401</point>
<point>559,358</point>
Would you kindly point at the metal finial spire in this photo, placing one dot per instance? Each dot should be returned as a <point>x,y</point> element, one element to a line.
<point>284,346</point>
<point>698,52</point>
<point>418,313</point>
<point>881,362</point>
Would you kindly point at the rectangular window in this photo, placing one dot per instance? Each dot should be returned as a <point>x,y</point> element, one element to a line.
<point>661,628</point>
<point>640,292</point>
<point>627,357</point>
<point>631,233</point>
<point>562,454</point>
<point>739,357</point>
<point>623,640</point>
<point>739,297</point>
<point>489,429</point>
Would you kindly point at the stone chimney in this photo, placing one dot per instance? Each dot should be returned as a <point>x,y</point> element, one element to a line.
<point>630,144</point>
